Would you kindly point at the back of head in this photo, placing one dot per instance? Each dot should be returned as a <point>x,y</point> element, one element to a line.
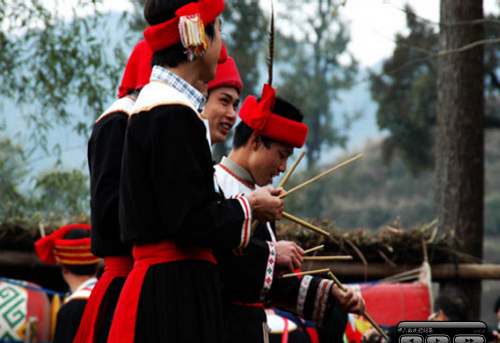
<point>282,108</point>
<point>453,303</point>
<point>160,11</point>
<point>70,246</point>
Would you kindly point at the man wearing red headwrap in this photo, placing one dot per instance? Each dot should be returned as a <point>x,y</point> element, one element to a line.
<point>70,246</point>
<point>223,100</point>
<point>104,157</point>
<point>169,208</point>
<point>269,130</point>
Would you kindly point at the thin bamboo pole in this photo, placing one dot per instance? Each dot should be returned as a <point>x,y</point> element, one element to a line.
<point>328,258</point>
<point>319,271</point>
<point>296,188</point>
<point>305,224</point>
<point>365,314</point>
<point>292,168</point>
<point>313,249</point>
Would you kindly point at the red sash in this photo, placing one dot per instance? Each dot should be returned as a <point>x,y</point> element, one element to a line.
<point>114,266</point>
<point>261,305</point>
<point>146,255</point>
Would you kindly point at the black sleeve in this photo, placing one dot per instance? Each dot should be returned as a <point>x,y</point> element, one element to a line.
<point>105,150</point>
<point>168,189</point>
<point>309,297</point>
<point>68,320</point>
<point>243,276</point>
<point>334,325</point>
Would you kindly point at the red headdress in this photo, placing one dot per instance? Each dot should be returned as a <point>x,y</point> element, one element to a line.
<point>137,71</point>
<point>54,248</point>
<point>227,76</point>
<point>188,27</point>
<point>259,117</point>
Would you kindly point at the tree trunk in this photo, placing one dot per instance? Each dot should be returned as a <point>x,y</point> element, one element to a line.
<point>460,136</point>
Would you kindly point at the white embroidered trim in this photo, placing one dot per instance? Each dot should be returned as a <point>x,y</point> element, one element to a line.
<point>247,227</point>
<point>268,277</point>
<point>301,299</point>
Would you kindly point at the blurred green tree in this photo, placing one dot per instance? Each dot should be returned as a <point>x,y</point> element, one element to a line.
<point>316,67</point>
<point>406,92</point>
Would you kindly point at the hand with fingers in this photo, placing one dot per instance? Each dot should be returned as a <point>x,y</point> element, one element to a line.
<point>266,206</point>
<point>349,300</point>
<point>288,256</point>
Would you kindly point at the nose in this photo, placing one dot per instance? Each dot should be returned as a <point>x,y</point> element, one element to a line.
<point>283,165</point>
<point>231,114</point>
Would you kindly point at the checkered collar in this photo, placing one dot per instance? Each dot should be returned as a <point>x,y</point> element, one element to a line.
<point>193,95</point>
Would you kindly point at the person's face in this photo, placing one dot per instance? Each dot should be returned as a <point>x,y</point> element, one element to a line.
<point>208,62</point>
<point>266,163</point>
<point>498,314</point>
<point>221,111</point>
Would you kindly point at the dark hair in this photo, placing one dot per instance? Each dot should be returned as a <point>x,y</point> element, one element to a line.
<point>282,108</point>
<point>453,303</point>
<point>89,269</point>
<point>159,11</point>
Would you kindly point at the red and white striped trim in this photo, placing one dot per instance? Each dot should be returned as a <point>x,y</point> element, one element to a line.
<point>268,275</point>
<point>301,299</point>
<point>246,227</point>
<point>321,301</point>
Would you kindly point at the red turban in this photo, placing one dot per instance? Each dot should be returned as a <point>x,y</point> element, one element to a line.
<point>137,71</point>
<point>259,117</point>
<point>168,33</point>
<point>54,248</point>
<point>226,76</point>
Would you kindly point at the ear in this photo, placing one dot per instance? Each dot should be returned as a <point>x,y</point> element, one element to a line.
<point>255,141</point>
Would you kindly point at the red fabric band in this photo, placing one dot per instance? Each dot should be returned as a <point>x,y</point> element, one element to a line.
<point>260,305</point>
<point>137,71</point>
<point>259,117</point>
<point>54,248</point>
<point>145,255</point>
<point>166,34</point>
<point>114,266</point>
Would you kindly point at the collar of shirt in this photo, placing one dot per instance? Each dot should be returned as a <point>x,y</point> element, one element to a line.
<point>194,96</point>
<point>238,170</point>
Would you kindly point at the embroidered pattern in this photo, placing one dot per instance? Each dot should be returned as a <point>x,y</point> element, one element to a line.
<point>248,185</point>
<point>13,310</point>
<point>304,287</point>
<point>268,277</point>
<point>321,300</point>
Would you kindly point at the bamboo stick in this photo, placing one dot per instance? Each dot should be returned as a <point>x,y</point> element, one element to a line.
<point>292,168</point>
<point>328,258</point>
<point>319,271</point>
<point>284,180</point>
<point>365,314</point>
<point>314,249</point>
<point>306,224</point>
<point>296,188</point>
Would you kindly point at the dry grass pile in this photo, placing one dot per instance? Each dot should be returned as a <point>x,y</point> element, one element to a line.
<point>393,245</point>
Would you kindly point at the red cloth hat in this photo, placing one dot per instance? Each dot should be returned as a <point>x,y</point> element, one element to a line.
<point>259,117</point>
<point>54,248</point>
<point>166,34</point>
<point>223,54</point>
<point>226,76</point>
<point>137,71</point>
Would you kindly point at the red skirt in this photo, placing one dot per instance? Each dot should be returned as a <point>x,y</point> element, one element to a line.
<point>123,327</point>
<point>114,267</point>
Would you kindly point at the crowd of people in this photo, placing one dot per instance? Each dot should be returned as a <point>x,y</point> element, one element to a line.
<point>183,260</point>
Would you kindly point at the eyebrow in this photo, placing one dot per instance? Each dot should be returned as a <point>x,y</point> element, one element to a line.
<point>230,96</point>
